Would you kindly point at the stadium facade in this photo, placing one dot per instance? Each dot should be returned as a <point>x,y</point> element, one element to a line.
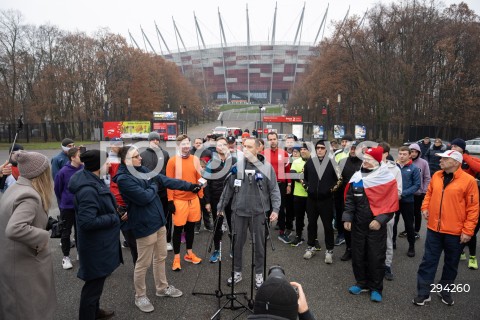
<point>248,72</point>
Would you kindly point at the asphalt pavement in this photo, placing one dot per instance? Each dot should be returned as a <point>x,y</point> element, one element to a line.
<point>325,285</point>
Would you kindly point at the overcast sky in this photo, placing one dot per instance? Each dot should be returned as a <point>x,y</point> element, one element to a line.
<point>120,16</point>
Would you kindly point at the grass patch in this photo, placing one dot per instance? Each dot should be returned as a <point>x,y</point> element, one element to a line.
<point>269,110</point>
<point>43,145</point>
<point>227,107</point>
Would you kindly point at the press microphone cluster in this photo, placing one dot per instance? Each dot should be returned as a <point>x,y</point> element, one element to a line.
<point>259,179</point>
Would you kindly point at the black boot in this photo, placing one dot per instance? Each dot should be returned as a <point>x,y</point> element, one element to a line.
<point>411,251</point>
<point>347,255</point>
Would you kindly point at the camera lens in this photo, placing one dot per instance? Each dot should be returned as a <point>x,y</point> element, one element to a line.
<point>276,272</point>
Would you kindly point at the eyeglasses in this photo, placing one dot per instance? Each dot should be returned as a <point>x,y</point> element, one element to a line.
<point>320,148</point>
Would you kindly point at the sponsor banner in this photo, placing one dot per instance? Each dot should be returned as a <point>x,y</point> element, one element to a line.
<point>338,131</point>
<point>126,129</point>
<point>360,132</point>
<point>318,132</point>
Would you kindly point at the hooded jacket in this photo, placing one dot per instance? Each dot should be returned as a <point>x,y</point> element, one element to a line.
<point>58,162</point>
<point>98,226</point>
<point>422,165</point>
<point>254,195</point>
<point>64,196</point>
<point>140,192</point>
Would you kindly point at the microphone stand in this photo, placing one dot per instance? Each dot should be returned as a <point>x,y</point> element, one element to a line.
<point>267,230</point>
<point>19,128</point>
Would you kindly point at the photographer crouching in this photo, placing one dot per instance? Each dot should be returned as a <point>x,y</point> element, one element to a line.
<point>279,299</point>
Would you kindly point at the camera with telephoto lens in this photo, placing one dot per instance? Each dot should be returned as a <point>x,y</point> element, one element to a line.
<point>278,272</point>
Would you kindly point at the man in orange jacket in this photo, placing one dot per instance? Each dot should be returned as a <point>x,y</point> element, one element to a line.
<point>451,209</point>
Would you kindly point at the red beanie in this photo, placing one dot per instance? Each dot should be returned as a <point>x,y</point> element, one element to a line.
<point>375,153</point>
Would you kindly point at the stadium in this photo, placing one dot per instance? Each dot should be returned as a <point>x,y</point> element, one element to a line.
<point>260,72</point>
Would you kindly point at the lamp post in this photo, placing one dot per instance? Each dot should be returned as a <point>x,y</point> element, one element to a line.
<point>339,100</point>
<point>260,107</point>
<point>105,107</point>
<point>129,109</point>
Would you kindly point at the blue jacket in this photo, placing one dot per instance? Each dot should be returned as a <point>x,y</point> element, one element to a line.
<point>98,226</point>
<point>411,181</point>
<point>144,208</point>
<point>58,162</point>
<point>64,196</point>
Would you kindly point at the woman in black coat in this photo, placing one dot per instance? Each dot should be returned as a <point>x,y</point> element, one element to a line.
<point>98,230</point>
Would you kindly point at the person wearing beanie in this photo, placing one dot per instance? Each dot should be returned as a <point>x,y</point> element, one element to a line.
<point>153,136</point>
<point>62,159</point>
<point>65,203</point>
<point>26,273</point>
<point>139,189</point>
<point>419,195</point>
<point>345,144</point>
<point>470,165</point>
<point>97,223</point>
<point>451,210</point>
<point>320,189</point>
<point>371,200</point>
<point>278,299</point>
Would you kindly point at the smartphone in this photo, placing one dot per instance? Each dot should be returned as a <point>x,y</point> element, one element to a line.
<point>202,181</point>
<point>82,149</point>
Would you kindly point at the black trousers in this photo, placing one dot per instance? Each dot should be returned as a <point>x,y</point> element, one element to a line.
<point>368,256</point>
<point>339,207</point>
<point>472,244</point>
<point>406,209</point>
<point>90,298</point>
<point>132,244</point>
<point>68,218</point>
<point>417,211</point>
<point>281,214</point>
<point>168,217</point>
<point>300,207</point>
<point>289,210</point>
<point>324,209</point>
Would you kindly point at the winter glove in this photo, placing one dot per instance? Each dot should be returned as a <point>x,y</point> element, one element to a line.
<point>171,207</point>
<point>195,188</point>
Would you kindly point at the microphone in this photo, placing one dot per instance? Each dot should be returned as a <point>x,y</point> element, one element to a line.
<point>250,174</point>
<point>232,171</point>
<point>259,179</point>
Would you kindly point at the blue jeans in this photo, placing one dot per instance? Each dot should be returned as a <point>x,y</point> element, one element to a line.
<point>435,243</point>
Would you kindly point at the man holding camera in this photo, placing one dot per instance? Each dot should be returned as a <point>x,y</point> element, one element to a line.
<point>252,189</point>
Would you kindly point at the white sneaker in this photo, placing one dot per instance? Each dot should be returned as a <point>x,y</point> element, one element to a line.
<point>144,304</point>
<point>170,291</point>
<point>309,253</point>
<point>237,276</point>
<point>66,263</point>
<point>169,246</point>
<point>329,257</point>
<point>258,280</point>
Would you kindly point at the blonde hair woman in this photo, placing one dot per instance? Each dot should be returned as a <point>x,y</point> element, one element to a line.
<point>27,289</point>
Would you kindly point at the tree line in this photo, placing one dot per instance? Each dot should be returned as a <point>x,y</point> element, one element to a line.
<point>51,75</point>
<point>412,63</point>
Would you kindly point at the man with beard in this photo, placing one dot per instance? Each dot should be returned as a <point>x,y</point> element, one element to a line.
<point>255,196</point>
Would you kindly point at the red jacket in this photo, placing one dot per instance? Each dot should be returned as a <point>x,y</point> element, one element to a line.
<point>279,159</point>
<point>453,210</point>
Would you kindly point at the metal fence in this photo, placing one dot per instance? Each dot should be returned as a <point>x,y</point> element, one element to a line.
<point>50,132</point>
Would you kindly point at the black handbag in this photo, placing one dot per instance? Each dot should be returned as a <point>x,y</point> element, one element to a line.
<point>56,227</point>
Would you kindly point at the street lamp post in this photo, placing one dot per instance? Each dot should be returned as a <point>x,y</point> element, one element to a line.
<point>129,109</point>
<point>339,100</point>
<point>260,107</point>
<point>105,107</point>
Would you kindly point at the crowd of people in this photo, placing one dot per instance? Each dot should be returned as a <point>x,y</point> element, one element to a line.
<point>157,201</point>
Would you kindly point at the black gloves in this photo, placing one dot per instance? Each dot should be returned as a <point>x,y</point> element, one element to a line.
<point>171,207</point>
<point>195,188</point>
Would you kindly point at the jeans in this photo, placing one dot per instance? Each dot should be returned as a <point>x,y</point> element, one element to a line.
<point>435,243</point>
<point>153,245</point>
<point>90,298</point>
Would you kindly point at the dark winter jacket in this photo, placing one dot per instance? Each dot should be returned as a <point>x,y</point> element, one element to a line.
<point>64,196</point>
<point>255,196</point>
<point>145,211</point>
<point>215,172</point>
<point>151,158</point>
<point>411,181</point>
<point>433,160</point>
<point>349,166</point>
<point>203,154</point>
<point>307,315</point>
<point>98,226</point>
<point>58,162</point>
<point>424,149</point>
<point>319,178</point>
